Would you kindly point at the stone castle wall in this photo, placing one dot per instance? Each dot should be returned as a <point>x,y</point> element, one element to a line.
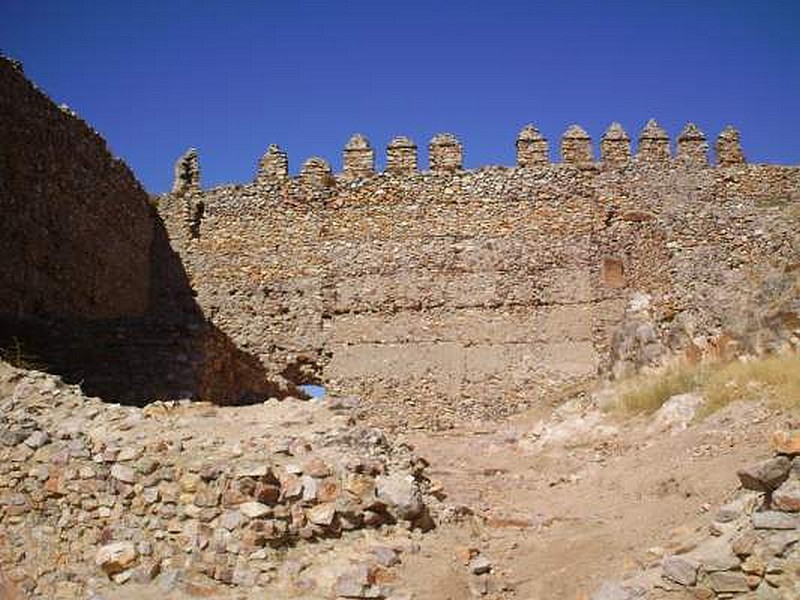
<point>90,287</point>
<point>448,293</point>
<point>61,191</point>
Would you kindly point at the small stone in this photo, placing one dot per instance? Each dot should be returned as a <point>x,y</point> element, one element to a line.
<point>401,496</point>
<point>677,413</point>
<point>129,453</point>
<point>385,556</point>
<point>230,519</point>
<point>774,520</point>
<point>123,473</point>
<point>480,565</point>
<point>680,570</point>
<point>254,510</point>
<point>147,571</point>
<point>778,542</point>
<point>615,591</point>
<point>115,558</point>
<point>728,581</point>
<point>766,475</point>
<point>251,469</point>
<point>717,556</point>
<point>190,482</point>
<point>322,514</point>
<point>744,544</point>
<point>147,465</point>
<point>37,439</point>
<point>357,583</point>
<point>316,467</point>
<point>787,496</point>
<point>786,442</point>
<point>754,566</point>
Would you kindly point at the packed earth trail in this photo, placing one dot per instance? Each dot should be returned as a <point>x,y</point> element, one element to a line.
<point>567,501</point>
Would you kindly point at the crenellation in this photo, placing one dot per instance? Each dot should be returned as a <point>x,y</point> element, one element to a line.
<point>273,166</point>
<point>444,153</point>
<point>359,158</point>
<point>532,148</point>
<point>401,156</point>
<point>187,173</point>
<point>653,144</point>
<point>430,289</point>
<point>692,147</point>
<point>729,149</point>
<point>316,174</point>
<point>615,146</point>
<point>576,147</point>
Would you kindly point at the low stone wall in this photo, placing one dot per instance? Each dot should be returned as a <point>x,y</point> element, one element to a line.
<point>94,495</point>
<point>755,548</point>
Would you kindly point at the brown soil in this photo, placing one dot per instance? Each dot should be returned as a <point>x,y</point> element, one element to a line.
<point>557,519</point>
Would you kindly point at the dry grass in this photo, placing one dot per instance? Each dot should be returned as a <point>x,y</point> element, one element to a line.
<point>644,394</point>
<point>772,378</point>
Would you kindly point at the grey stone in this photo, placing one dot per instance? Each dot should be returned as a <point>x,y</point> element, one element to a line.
<point>680,569</point>
<point>766,475</point>
<point>115,558</point>
<point>787,496</point>
<point>123,473</point>
<point>401,495</point>
<point>480,565</point>
<point>37,439</point>
<point>728,581</point>
<point>254,510</point>
<point>774,520</point>
<point>617,591</point>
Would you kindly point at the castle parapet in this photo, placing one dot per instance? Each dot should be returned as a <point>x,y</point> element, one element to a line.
<point>273,166</point>
<point>187,173</point>
<point>729,148</point>
<point>615,146</point>
<point>532,148</point>
<point>316,174</point>
<point>401,156</point>
<point>576,146</point>
<point>692,147</point>
<point>444,153</point>
<point>359,158</point>
<point>653,144</point>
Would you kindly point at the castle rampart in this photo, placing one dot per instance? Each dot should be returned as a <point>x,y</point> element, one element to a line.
<point>475,292</point>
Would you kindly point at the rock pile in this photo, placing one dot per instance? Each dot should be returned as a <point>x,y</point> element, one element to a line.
<point>753,552</point>
<point>97,492</point>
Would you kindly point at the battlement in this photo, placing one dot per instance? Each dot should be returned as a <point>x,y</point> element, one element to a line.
<point>654,148</point>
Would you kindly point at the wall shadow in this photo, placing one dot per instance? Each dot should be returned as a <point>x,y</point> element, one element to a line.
<point>170,352</point>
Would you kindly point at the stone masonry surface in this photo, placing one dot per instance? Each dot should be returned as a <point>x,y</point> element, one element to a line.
<point>62,193</point>
<point>451,294</point>
<point>95,495</point>
<point>89,285</point>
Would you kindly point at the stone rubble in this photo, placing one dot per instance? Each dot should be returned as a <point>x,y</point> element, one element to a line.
<point>105,495</point>
<point>753,553</point>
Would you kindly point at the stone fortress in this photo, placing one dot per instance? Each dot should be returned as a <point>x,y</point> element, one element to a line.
<point>451,294</point>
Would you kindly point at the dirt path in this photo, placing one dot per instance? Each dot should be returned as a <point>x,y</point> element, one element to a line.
<point>569,500</point>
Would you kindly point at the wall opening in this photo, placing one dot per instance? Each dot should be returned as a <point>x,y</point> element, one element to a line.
<point>314,392</point>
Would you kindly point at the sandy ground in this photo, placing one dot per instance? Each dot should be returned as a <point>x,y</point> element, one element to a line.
<point>568,500</point>
<point>559,499</point>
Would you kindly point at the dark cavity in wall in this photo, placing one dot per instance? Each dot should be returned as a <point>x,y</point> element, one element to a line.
<point>197,219</point>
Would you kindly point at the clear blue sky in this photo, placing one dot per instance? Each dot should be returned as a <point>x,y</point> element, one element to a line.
<point>155,77</point>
